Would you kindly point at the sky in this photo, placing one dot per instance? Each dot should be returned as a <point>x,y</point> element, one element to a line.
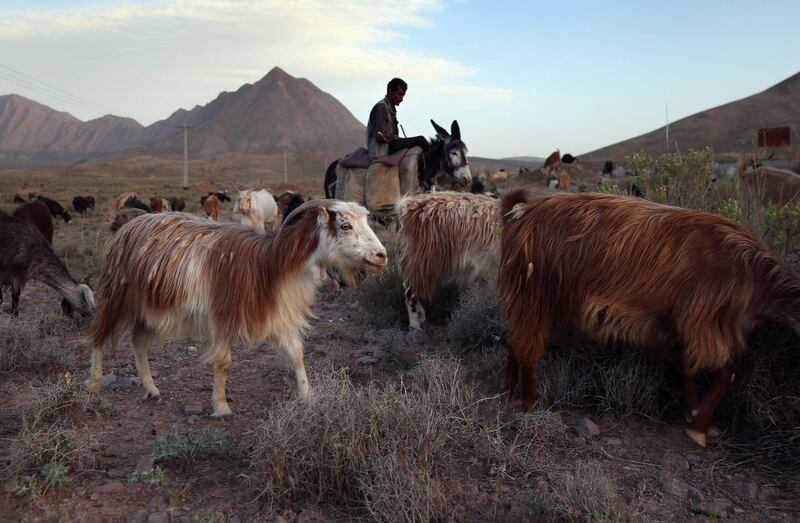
<point>522,78</point>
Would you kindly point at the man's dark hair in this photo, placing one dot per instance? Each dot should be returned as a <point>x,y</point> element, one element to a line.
<point>395,84</point>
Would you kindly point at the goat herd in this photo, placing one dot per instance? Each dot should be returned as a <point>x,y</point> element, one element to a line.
<point>685,282</point>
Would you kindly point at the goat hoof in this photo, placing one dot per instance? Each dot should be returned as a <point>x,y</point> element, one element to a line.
<point>222,412</point>
<point>152,395</point>
<point>698,437</point>
<point>91,385</point>
<point>714,432</point>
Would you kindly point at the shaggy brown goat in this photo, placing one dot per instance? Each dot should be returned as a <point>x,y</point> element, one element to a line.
<point>26,255</point>
<point>767,183</point>
<point>177,274</point>
<point>211,206</point>
<point>444,236</point>
<point>37,214</point>
<point>690,283</point>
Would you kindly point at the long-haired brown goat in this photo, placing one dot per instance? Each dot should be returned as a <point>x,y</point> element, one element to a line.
<point>176,274</point>
<point>687,282</point>
<point>445,236</point>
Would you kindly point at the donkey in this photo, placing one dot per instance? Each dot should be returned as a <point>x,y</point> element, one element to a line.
<point>443,164</point>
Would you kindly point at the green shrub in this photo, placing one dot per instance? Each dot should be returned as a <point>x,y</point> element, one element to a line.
<point>192,446</point>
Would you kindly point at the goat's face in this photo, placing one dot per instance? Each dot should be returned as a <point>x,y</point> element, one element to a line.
<point>348,245</point>
<point>81,300</point>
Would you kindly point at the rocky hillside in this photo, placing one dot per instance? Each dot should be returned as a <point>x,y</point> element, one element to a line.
<point>278,113</point>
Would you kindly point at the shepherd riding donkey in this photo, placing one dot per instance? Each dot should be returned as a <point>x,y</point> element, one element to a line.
<point>380,184</point>
<point>391,166</point>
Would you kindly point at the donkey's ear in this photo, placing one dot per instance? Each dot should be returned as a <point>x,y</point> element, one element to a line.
<point>440,132</point>
<point>455,130</point>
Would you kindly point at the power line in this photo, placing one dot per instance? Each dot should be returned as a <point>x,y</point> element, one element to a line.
<point>25,80</point>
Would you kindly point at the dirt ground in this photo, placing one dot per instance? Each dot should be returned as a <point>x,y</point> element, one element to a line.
<point>655,472</point>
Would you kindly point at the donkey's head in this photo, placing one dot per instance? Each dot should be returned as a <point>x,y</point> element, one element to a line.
<point>453,159</point>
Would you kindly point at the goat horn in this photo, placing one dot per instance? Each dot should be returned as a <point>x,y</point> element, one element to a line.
<point>324,202</point>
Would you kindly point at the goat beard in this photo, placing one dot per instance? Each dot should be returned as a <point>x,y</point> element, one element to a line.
<point>347,278</point>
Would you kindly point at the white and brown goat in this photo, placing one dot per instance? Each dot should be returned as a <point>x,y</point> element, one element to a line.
<point>258,209</point>
<point>176,274</point>
<point>445,236</point>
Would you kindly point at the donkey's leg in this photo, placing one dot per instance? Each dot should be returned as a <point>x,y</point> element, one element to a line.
<point>416,313</point>
<point>293,349</point>
<point>700,423</point>
<point>141,340</point>
<point>221,364</point>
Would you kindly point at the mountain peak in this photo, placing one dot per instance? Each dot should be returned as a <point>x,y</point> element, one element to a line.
<point>278,113</point>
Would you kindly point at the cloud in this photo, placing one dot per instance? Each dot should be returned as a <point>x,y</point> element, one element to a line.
<point>148,59</point>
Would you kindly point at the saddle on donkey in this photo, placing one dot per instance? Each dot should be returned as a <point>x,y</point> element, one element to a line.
<point>378,184</point>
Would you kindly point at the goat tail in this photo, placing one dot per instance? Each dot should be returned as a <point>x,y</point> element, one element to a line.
<point>509,200</point>
<point>783,290</point>
<point>125,215</point>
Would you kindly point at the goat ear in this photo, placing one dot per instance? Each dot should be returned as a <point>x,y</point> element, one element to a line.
<point>440,132</point>
<point>455,130</point>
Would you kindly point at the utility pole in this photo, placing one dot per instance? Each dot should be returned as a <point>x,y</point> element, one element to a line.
<point>185,156</point>
<point>666,113</point>
<point>284,167</point>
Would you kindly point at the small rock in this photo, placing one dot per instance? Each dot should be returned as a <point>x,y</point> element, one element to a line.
<point>612,441</point>
<point>192,409</point>
<point>675,487</point>
<point>587,428</point>
<point>672,461</point>
<point>125,383</point>
<point>158,517</point>
<point>191,348</point>
<point>694,459</point>
<point>366,360</point>
<point>36,383</point>
<point>419,337</point>
<point>155,374</point>
<point>116,473</point>
<point>108,379</point>
<point>94,496</point>
<point>191,420</point>
<point>97,504</point>
<point>580,440</point>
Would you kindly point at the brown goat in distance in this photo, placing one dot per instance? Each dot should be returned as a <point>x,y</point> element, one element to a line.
<point>211,206</point>
<point>690,283</point>
<point>766,183</point>
<point>37,214</point>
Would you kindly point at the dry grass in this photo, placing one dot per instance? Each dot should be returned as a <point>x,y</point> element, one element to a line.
<point>34,341</point>
<point>394,452</point>
<point>48,433</point>
<point>587,493</point>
